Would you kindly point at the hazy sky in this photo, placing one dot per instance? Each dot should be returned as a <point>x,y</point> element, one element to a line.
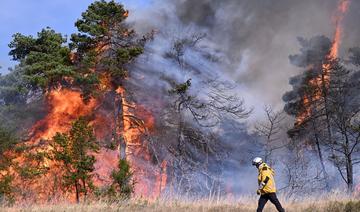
<point>256,37</point>
<point>30,16</point>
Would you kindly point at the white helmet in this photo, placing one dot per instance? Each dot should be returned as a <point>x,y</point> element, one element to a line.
<point>257,161</point>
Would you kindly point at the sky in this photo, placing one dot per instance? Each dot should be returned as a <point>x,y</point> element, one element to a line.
<point>30,16</point>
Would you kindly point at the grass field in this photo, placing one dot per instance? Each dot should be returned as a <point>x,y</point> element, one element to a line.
<point>329,204</point>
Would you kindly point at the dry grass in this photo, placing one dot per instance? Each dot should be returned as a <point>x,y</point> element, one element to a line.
<point>326,204</point>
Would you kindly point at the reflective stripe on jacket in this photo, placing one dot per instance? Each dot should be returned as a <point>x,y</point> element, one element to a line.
<point>266,175</point>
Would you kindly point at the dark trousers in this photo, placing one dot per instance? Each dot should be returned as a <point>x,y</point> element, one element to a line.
<point>273,199</point>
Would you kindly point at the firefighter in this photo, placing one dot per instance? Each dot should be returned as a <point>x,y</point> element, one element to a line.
<point>266,182</point>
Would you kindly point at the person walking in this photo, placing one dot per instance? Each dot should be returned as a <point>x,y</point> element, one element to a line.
<point>267,188</point>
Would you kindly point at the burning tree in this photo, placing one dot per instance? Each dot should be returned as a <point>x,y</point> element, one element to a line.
<point>76,81</point>
<point>104,46</point>
<point>325,101</point>
<point>308,101</point>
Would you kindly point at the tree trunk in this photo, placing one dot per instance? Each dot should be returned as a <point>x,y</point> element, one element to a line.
<point>349,174</point>
<point>120,115</point>
<point>326,176</point>
<point>85,190</point>
<point>327,112</point>
<point>349,166</point>
<point>322,164</point>
<point>77,192</point>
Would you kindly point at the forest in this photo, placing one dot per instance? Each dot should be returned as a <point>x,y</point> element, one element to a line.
<point>116,112</point>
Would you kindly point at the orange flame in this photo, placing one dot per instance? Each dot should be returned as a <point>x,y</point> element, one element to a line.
<point>65,106</point>
<point>342,8</point>
<point>150,180</point>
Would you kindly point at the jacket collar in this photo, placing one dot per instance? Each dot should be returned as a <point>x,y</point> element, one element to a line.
<point>262,165</point>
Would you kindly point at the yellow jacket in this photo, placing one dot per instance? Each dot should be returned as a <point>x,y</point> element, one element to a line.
<point>266,179</point>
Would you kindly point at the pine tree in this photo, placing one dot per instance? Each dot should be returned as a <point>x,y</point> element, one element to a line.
<point>73,150</point>
<point>105,44</point>
<point>45,58</point>
<point>123,183</point>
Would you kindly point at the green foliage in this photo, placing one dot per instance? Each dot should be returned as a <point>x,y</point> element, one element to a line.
<point>96,28</point>
<point>99,19</point>
<point>104,44</point>
<point>21,46</point>
<point>13,87</point>
<point>6,189</point>
<point>30,172</point>
<point>45,59</point>
<point>88,84</point>
<point>123,55</point>
<point>73,150</point>
<point>123,184</point>
<point>16,111</point>
<point>181,88</point>
<point>32,166</point>
<point>116,65</point>
<point>7,142</point>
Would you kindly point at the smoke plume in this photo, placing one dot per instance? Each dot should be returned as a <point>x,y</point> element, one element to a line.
<point>254,38</point>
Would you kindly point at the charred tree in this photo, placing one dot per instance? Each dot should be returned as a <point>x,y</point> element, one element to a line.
<point>308,100</point>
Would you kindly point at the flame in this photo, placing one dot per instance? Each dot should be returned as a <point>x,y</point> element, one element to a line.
<point>150,180</point>
<point>319,81</point>
<point>342,8</point>
<point>64,106</point>
<point>134,123</point>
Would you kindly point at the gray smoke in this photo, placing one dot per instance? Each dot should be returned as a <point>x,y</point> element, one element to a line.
<point>255,37</point>
<point>247,42</point>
